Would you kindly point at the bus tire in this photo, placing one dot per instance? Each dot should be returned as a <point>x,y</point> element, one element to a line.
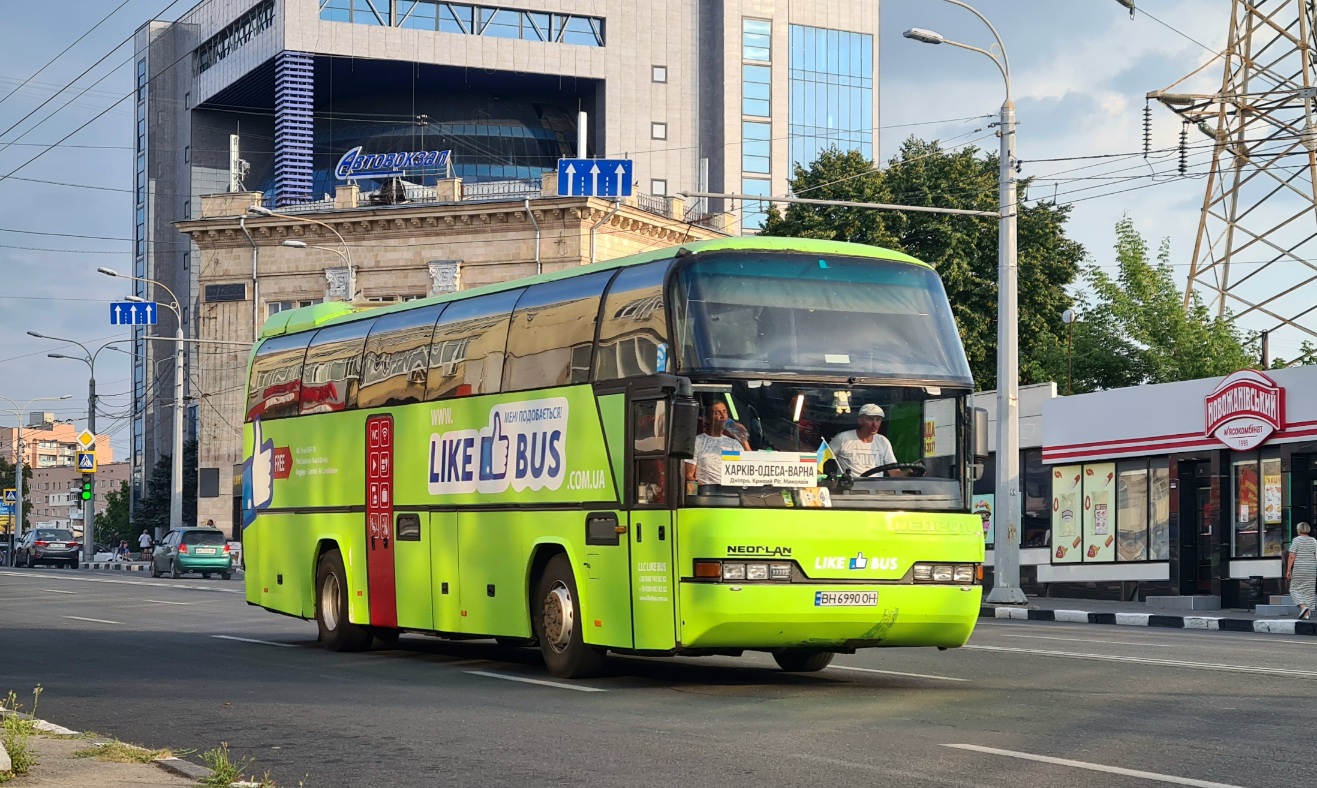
<point>556,618</point>
<point>801,660</point>
<point>336,632</point>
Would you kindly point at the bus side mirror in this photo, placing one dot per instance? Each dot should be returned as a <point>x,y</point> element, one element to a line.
<point>979,442</point>
<point>682,427</point>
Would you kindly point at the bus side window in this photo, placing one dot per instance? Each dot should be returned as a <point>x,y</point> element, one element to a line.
<point>332,371</point>
<point>470,341</point>
<point>552,333</point>
<point>276,377</point>
<point>634,324</point>
<point>395,365</point>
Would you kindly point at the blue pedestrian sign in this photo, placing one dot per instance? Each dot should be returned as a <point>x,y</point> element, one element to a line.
<point>11,495</point>
<point>133,313</point>
<point>87,462</point>
<point>594,178</point>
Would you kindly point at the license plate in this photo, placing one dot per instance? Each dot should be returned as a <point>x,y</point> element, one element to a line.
<point>57,546</point>
<point>206,551</point>
<point>845,598</point>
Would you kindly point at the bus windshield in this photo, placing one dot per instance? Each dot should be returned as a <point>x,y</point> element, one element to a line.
<point>812,315</point>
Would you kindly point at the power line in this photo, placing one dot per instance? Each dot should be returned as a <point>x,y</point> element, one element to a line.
<point>64,235</point>
<point>63,51</point>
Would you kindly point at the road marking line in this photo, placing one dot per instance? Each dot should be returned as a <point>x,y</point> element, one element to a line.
<point>1173,663</point>
<point>251,640</point>
<point>163,602</point>
<point>1093,767</point>
<point>147,583</point>
<point>897,673</point>
<point>95,620</point>
<point>1086,640</point>
<point>57,591</point>
<point>506,677</point>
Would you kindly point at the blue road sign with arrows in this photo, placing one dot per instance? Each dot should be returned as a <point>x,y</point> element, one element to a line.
<point>594,178</point>
<point>133,313</point>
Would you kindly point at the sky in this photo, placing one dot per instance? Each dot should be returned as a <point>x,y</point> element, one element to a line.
<point>1080,71</point>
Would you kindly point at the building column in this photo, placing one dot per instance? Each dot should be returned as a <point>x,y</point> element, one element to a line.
<point>294,104</point>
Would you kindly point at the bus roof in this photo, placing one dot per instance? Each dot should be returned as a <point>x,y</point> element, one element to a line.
<point>308,318</point>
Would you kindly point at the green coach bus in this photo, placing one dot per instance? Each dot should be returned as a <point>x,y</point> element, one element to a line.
<point>741,444</point>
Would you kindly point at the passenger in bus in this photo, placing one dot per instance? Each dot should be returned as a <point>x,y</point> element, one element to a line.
<point>862,448</point>
<point>706,468</point>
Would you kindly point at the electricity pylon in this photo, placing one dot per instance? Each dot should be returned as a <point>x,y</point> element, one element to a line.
<point>1256,250</point>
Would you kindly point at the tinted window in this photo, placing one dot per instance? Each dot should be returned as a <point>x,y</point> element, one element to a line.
<point>552,333</point>
<point>635,324</point>
<point>397,358</point>
<point>55,536</point>
<point>466,356</point>
<point>203,537</point>
<point>332,370</point>
<point>276,377</point>
<point>802,313</point>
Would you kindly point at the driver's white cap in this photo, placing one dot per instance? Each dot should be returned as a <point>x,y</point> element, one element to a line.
<point>872,410</point>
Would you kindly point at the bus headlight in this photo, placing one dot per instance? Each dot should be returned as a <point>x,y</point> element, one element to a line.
<point>756,571</point>
<point>957,574</point>
<point>733,570</point>
<point>779,571</point>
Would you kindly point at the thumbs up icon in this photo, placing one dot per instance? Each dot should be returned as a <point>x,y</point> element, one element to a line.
<point>257,476</point>
<point>494,451</point>
<point>859,561</point>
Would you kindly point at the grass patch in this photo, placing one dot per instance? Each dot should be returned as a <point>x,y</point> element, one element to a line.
<point>16,730</point>
<point>118,752</point>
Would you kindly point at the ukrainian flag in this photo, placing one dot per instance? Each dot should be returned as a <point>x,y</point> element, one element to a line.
<point>731,455</point>
<point>825,454</point>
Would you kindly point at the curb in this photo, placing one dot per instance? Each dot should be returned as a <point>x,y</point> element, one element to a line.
<point>178,766</point>
<point>120,566</point>
<point>1213,623</point>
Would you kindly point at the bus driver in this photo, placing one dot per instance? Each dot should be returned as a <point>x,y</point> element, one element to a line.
<point>863,448</point>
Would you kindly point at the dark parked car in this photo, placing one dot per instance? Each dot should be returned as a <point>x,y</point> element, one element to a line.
<point>203,550</point>
<point>48,546</point>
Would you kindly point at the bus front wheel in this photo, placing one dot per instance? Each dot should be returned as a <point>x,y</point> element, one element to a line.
<point>556,613</point>
<point>799,660</point>
<point>336,632</point>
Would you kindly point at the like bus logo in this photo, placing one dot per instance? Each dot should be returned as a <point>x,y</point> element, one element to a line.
<point>257,476</point>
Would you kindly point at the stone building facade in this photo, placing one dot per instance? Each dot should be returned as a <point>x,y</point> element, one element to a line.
<point>252,266</point>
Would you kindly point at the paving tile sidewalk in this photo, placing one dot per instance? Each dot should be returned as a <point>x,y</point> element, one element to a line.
<point>1137,614</point>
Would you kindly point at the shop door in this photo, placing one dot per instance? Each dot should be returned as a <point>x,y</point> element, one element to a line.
<point>1195,548</point>
<point>1203,516</point>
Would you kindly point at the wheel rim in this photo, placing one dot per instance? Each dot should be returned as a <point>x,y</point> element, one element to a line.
<point>559,617</point>
<point>329,601</point>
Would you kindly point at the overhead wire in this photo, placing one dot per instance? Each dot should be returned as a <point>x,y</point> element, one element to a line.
<point>65,50</point>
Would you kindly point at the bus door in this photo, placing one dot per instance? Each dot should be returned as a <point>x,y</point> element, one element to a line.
<point>381,581</point>
<point>649,493</point>
<point>412,551</point>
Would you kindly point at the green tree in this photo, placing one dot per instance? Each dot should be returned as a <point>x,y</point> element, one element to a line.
<point>112,525</point>
<point>963,249</point>
<point>153,509</point>
<point>1133,326</point>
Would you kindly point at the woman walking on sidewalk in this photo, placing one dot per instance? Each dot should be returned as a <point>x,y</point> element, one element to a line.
<point>1302,570</point>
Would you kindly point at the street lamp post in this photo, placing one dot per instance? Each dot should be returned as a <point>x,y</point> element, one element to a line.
<point>89,358</point>
<point>176,494</point>
<point>16,529</point>
<point>1006,562</point>
<point>346,254</point>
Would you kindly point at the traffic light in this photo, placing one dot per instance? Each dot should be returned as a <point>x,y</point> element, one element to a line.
<point>88,482</point>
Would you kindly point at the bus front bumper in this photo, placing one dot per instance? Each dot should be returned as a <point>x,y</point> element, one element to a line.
<point>769,616</point>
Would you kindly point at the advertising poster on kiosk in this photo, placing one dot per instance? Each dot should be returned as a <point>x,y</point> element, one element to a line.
<point>1067,491</point>
<point>1100,512</point>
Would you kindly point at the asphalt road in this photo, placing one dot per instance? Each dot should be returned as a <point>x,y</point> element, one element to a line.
<point>187,664</point>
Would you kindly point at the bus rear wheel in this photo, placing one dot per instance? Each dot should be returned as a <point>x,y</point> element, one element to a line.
<point>799,660</point>
<point>336,632</point>
<point>556,617</point>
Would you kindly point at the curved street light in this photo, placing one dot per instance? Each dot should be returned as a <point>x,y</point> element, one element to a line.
<point>1006,551</point>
